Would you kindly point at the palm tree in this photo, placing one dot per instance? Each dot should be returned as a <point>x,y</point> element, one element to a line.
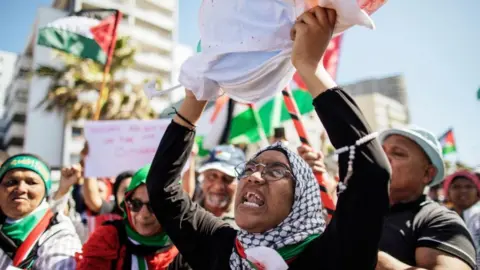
<point>75,87</point>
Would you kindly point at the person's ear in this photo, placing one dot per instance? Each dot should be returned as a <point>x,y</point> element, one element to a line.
<point>430,173</point>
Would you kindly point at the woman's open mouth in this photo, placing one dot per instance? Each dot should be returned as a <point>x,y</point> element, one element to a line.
<point>252,199</point>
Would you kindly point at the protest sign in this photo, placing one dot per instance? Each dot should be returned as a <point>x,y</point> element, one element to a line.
<point>121,145</point>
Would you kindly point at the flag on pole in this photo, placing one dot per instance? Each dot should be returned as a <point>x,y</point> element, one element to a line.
<point>87,34</point>
<point>246,122</point>
<point>447,141</point>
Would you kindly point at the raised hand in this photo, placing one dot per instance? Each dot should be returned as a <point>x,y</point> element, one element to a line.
<point>70,175</point>
<point>311,34</point>
<point>314,159</point>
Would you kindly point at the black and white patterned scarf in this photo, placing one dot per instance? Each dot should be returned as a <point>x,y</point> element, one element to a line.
<point>305,219</point>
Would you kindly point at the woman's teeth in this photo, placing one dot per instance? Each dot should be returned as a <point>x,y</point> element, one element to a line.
<point>251,204</point>
<point>252,199</point>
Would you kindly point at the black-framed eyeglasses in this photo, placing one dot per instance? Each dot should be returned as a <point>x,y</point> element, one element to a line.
<point>270,172</point>
<point>136,205</point>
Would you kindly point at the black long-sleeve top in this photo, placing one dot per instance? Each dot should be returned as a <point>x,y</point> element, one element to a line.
<point>351,239</point>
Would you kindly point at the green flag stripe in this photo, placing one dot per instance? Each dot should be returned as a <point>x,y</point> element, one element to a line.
<point>244,124</point>
<point>448,149</point>
<point>71,43</point>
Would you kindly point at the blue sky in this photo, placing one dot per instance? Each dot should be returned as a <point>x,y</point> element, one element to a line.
<point>434,44</point>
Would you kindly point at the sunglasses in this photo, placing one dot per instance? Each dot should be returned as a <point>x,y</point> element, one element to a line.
<point>136,205</point>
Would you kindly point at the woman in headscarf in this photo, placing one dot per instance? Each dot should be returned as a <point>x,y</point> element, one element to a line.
<point>31,235</point>
<point>136,242</point>
<point>277,205</point>
<point>462,189</point>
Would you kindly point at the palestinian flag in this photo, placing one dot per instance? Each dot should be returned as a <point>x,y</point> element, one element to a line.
<point>448,143</point>
<point>236,123</point>
<point>86,34</point>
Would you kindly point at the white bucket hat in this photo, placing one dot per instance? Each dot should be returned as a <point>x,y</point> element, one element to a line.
<point>429,144</point>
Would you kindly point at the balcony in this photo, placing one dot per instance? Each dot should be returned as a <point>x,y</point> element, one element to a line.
<point>15,130</point>
<point>122,5</point>
<point>137,77</point>
<point>147,36</point>
<point>20,84</point>
<point>155,18</point>
<point>24,62</point>
<point>13,109</point>
<point>165,4</point>
<point>152,38</point>
<point>154,61</point>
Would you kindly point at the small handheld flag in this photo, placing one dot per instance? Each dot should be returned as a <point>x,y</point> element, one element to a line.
<point>151,90</point>
<point>447,140</point>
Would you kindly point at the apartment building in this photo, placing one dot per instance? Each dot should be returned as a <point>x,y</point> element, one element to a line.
<point>151,24</point>
<point>7,64</point>
<point>382,112</point>
<point>15,105</point>
<point>393,87</point>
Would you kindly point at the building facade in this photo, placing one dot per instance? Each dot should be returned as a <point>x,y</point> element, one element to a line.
<point>151,24</point>
<point>393,87</point>
<point>382,112</point>
<point>384,101</point>
<point>15,104</point>
<point>7,64</point>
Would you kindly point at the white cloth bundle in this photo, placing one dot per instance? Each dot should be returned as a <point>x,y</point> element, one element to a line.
<point>246,44</point>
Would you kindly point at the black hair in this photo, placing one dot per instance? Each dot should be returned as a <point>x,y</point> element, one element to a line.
<point>118,180</point>
<point>279,133</point>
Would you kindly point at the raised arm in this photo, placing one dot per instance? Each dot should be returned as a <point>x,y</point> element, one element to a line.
<point>352,236</point>
<point>193,230</point>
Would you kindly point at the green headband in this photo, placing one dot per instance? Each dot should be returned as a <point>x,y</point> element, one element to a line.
<point>29,163</point>
<point>139,178</point>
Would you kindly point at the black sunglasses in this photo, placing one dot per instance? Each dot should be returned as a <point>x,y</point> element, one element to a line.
<point>136,205</point>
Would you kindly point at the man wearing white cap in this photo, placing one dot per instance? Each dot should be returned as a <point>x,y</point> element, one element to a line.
<point>419,233</point>
<point>218,181</point>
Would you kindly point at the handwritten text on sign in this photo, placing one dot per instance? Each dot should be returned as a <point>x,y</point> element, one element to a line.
<point>121,145</point>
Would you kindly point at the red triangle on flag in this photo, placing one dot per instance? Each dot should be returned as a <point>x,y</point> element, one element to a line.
<point>449,139</point>
<point>104,32</point>
<point>298,80</point>
<point>219,103</point>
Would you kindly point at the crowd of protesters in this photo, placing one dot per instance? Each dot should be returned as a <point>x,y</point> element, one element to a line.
<point>395,206</point>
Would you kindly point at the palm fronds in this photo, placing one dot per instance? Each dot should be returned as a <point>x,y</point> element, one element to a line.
<point>71,87</point>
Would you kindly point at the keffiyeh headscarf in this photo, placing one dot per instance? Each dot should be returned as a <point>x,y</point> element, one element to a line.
<point>304,223</point>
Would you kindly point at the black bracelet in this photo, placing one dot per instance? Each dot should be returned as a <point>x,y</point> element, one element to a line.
<point>182,117</point>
